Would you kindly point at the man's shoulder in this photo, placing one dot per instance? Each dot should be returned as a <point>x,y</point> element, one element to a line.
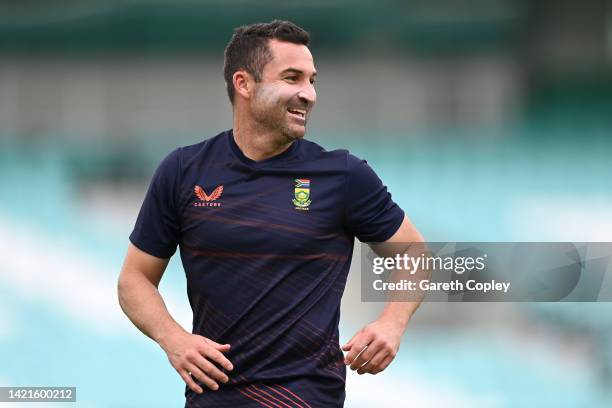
<point>182,156</point>
<point>342,158</point>
<point>193,149</point>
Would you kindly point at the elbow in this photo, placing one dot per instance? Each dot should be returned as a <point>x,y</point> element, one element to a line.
<point>122,289</point>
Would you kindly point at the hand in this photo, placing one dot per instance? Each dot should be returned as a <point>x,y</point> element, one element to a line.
<point>373,348</point>
<point>189,354</point>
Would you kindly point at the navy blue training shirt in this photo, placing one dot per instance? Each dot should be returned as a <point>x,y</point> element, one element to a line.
<point>266,247</point>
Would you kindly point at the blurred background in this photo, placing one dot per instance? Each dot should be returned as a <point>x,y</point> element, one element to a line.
<point>489,120</point>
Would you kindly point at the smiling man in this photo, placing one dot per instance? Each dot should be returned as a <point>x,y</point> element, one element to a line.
<point>265,222</point>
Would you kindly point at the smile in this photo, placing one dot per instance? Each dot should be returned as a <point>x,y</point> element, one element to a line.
<point>297,113</point>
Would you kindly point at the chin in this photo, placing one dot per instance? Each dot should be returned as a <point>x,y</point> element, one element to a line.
<point>299,135</point>
<point>294,133</point>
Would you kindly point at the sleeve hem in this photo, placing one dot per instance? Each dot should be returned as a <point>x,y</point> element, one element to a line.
<point>388,233</point>
<point>151,249</point>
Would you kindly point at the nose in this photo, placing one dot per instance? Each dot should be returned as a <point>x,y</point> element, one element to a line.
<point>308,94</point>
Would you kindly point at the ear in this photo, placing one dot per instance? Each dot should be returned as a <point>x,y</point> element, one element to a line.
<point>243,83</point>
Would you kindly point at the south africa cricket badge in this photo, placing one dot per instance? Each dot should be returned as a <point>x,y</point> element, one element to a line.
<point>301,194</point>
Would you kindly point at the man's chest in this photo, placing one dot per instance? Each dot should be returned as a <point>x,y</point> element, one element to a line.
<point>264,212</point>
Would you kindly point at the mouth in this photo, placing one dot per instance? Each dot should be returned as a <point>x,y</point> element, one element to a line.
<point>297,113</point>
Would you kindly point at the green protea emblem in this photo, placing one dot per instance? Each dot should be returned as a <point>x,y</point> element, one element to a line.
<point>302,194</point>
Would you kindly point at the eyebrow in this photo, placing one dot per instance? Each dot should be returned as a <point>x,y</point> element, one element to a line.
<point>296,71</point>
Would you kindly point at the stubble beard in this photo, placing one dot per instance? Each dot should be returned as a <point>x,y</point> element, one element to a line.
<point>271,114</point>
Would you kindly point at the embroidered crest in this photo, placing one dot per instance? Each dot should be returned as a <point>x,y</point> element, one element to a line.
<point>301,194</point>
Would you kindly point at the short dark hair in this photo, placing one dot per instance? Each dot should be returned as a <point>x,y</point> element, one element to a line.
<point>248,48</point>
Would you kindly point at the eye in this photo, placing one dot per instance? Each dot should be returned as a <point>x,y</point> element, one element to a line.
<point>312,81</point>
<point>291,78</point>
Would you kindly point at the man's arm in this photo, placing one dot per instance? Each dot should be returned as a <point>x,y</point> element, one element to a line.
<point>381,338</point>
<point>142,303</point>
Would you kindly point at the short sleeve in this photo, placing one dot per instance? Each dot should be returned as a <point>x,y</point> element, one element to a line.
<point>370,213</point>
<point>157,226</point>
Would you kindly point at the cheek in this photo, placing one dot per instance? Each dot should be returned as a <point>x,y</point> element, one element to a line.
<point>269,95</point>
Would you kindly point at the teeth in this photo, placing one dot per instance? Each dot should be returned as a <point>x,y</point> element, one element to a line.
<point>300,112</point>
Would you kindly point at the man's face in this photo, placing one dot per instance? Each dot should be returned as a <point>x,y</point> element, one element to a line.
<point>284,98</point>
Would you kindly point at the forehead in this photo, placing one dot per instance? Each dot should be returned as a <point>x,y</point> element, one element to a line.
<point>288,55</point>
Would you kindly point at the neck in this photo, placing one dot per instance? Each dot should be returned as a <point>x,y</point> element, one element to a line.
<point>258,143</point>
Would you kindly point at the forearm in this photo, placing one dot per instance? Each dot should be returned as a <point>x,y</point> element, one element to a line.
<point>401,306</point>
<point>399,312</point>
<point>141,301</point>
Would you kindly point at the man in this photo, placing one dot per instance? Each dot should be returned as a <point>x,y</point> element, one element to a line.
<point>265,222</point>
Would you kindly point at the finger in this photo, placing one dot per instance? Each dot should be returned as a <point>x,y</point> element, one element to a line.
<point>355,352</point>
<point>218,346</point>
<point>219,358</point>
<point>189,381</point>
<point>202,377</point>
<point>348,344</point>
<point>373,364</point>
<point>357,347</point>
<point>210,369</point>
<point>385,363</point>
<point>352,350</point>
<point>371,350</point>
